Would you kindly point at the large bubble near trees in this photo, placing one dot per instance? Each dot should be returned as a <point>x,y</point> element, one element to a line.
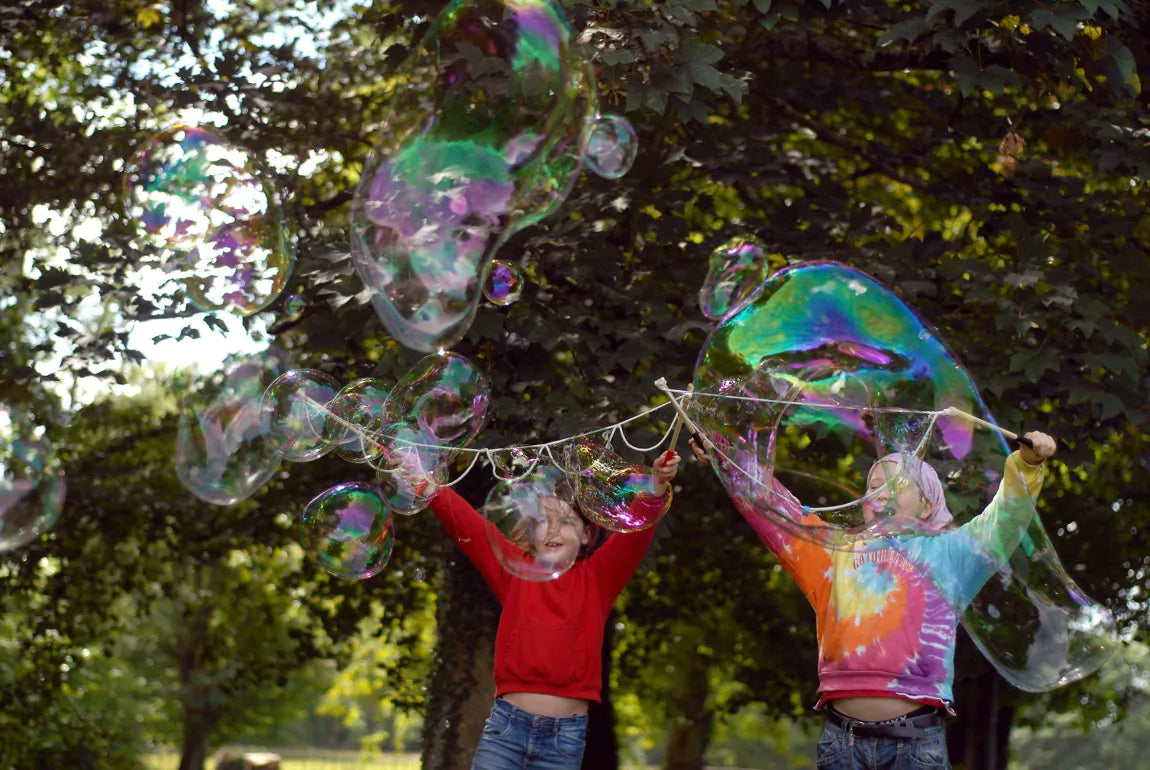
<point>435,410</point>
<point>533,527</point>
<point>485,136</point>
<point>210,209</point>
<point>612,493</point>
<point>349,531</point>
<point>822,372</point>
<point>736,270</point>
<point>225,450</point>
<point>31,480</point>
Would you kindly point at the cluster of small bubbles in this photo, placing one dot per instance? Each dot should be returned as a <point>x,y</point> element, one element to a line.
<point>294,409</point>
<point>614,494</point>
<point>32,482</point>
<point>535,532</point>
<point>485,138</point>
<point>504,283</point>
<point>202,201</point>
<point>224,450</point>
<point>820,372</point>
<point>349,530</point>
<point>611,146</point>
<point>735,272</point>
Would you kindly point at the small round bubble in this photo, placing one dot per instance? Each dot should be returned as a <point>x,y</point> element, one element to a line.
<point>349,530</point>
<point>611,146</point>
<point>504,282</point>
<point>295,411</point>
<point>537,534</point>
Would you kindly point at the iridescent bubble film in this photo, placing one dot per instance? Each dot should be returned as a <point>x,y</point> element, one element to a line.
<point>349,530</point>
<point>295,411</point>
<point>614,494</point>
<point>224,450</point>
<point>611,146</point>
<point>293,305</point>
<point>823,372</point>
<point>197,195</point>
<point>355,420</point>
<point>504,282</point>
<point>437,408</point>
<point>31,480</point>
<point>736,270</point>
<point>477,146</point>
<point>535,531</point>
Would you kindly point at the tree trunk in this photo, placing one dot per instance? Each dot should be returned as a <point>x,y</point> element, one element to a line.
<point>195,745</point>
<point>980,739</point>
<point>602,745</point>
<point>199,716</point>
<point>462,687</point>
<point>688,720</point>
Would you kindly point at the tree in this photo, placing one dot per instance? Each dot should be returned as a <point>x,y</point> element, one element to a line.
<point>988,161</point>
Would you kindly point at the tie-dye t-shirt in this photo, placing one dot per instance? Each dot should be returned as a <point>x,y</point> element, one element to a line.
<point>888,609</point>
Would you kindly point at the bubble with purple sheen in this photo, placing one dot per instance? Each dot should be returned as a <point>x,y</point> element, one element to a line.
<point>32,483</point>
<point>504,282</point>
<point>823,371</point>
<point>515,510</point>
<point>349,530</point>
<point>479,144</point>
<point>612,146</point>
<point>614,494</point>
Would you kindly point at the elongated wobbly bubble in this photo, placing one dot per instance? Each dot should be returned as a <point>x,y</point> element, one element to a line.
<point>225,451</point>
<point>533,528</point>
<point>349,530</point>
<point>485,137</point>
<point>436,409</point>
<point>823,372</point>
<point>611,492</point>
<point>736,270</point>
<point>206,205</point>
<point>32,485</point>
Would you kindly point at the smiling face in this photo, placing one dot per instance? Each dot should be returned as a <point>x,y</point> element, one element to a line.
<point>559,533</point>
<point>884,483</point>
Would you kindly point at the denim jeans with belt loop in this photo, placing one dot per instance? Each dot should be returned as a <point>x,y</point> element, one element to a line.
<point>514,739</point>
<point>840,747</point>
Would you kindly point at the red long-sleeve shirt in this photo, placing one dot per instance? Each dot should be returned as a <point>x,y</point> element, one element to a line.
<point>550,632</point>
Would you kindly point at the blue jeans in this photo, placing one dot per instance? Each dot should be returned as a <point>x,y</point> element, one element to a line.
<point>839,749</point>
<point>514,739</point>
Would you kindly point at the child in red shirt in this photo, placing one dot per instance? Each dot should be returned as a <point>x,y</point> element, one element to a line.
<point>548,667</point>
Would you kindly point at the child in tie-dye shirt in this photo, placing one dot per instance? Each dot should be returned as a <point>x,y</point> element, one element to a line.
<point>887,609</point>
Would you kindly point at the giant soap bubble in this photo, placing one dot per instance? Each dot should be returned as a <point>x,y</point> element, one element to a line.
<point>533,527</point>
<point>224,450</point>
<point>822,372</point>
<point>486,136</point>
<point>31,480</point>
<point>205,203</point>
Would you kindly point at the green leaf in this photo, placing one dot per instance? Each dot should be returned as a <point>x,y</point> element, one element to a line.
<point>909,30</point>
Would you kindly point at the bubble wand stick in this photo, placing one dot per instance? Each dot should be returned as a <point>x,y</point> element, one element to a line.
<point>951,411</point>
<point>681,417</point>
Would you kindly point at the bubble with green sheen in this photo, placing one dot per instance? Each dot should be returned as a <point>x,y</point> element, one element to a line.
<point>436,409</point>
<point>611,146</point>
<point>823,371</point>
<point>485,138</point>
<point>349,530</point>
<point>32,484</point>
<point>735,272</point>
<point>504,282</point>
<point>523,513</point>
<point>224,450</point>
<point>293,305</point>
<point>295,412</point>
<point>204,202</point>
<point>614,494</point>
<point>355,420</point>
